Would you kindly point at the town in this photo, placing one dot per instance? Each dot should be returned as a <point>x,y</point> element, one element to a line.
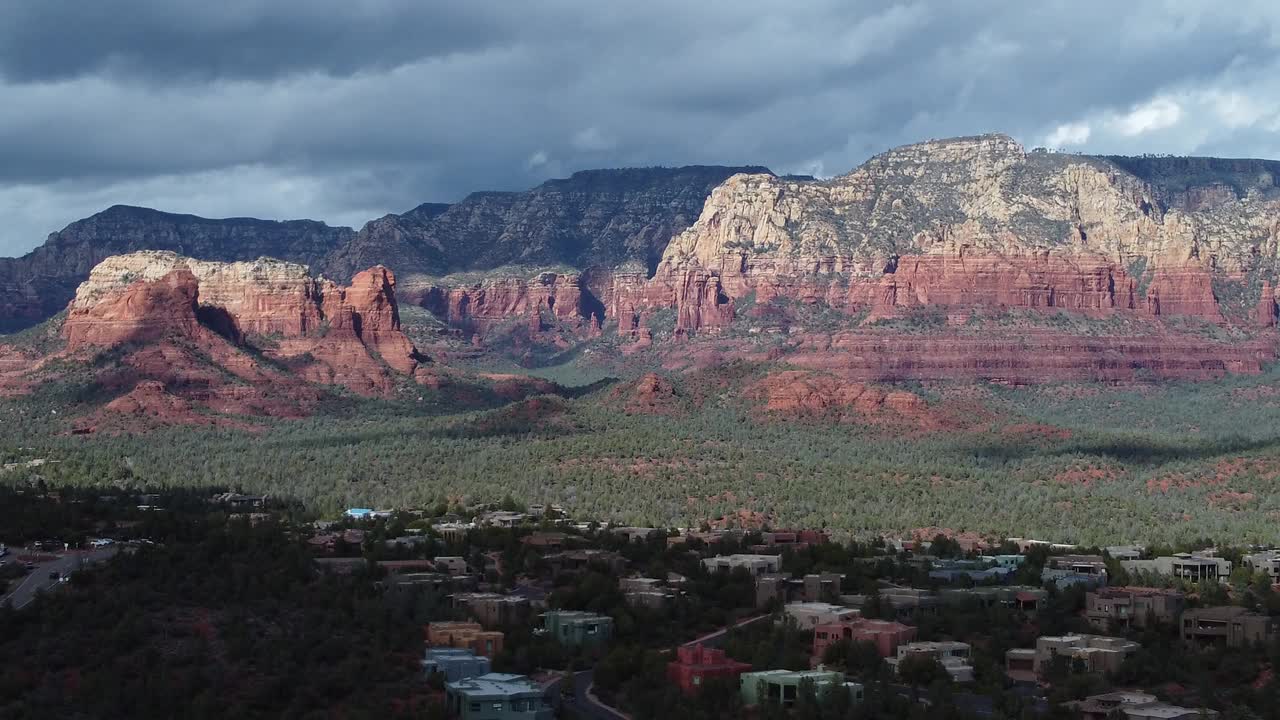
<point>523,612</point>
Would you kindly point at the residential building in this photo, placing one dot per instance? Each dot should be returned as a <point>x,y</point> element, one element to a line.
<point>399,567</point>
<point>1009,561</point>
<point>359,513</point>
<point>783,686</point>
<point>454,532</point>
<point>822,587</point>
<point>1124,552</point>
<point>955,571</point>
<point>454,663</point>
<point>639,584</point>
<point>1266,562</point>
<point>1064,577</point>
<point>547,540</point>
<point>1136,705</point>
<point>465,635</point>
<point>1020,665</point>
<point>1228,625</point>
<point>696,664</point>
<point>503,518</point>
<point>651,599</point>
<point>1079,564</point>
<point>886,635</point>
<point>900,603</point>
<point>953,656</point>
<point>809,615</point>
<point>771,588</point>
<point>570,627</point>
<point>497,696</point>
<point>638,534</point>
<point>493,610</point>
<point>1098,653</point>
<point>452,564</point>
<point>1018,597</point>
<point>1197,566</point>
<point>576,561</point>
<point>755,564</point>
<point>1125,607</point>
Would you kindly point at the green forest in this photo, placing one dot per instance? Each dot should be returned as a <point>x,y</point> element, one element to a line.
<point>1159,462</point>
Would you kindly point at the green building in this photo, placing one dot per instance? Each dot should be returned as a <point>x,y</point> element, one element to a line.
<point>571,627</point>
<point>497,696</point>
<point>783,686</point>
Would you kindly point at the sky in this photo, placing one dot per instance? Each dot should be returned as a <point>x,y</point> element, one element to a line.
<point>344,110</point>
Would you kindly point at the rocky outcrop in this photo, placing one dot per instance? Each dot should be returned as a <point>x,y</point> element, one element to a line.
<point>41,283</point>
<point>347,336</point>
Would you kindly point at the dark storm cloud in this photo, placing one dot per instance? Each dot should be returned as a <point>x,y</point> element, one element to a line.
<point>173,40</point>
<point>344,110</point>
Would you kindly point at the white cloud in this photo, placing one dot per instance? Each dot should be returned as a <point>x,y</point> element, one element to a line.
<point>537,160</point>
<point>592,140</point>
<point>1155,114</point>
<point>1068,134</point>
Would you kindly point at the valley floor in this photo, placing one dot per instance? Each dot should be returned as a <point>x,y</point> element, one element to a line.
<point>1076,463</point>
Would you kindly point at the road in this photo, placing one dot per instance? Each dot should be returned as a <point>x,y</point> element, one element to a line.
<point>587,707</point>
<point>64,565</point>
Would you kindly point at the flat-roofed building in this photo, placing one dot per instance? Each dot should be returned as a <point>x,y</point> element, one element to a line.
<point>454,663</point>
<point>783,686</point>
<point>695,665</point>
<point>571,627</point>
<point>1197,566</point>
<point>1097,653</point>
<point>1228,626</point>
<point>886,635</point>
<point>809,615</point>
<point>492,609</point>
<point>497,696</point>
<point>1125,607</point>
<point>1135,705</point>
<point>465,635</point>
<point>953,656</point>
<point>754,564</point>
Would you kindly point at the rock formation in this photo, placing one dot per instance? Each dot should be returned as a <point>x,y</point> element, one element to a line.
<point>41,283</point>
<point>347,336</point>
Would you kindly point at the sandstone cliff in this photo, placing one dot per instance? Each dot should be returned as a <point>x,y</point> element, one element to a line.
<point>41,283</point>
<point>325,333</point>
<point>979,222</point>
<point>594,218</point>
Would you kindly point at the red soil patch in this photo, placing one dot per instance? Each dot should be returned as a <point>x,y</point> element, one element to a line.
<point>1229,500</point>
<point>1085,475</point>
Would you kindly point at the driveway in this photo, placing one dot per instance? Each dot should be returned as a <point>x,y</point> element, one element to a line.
<point>63,565</point>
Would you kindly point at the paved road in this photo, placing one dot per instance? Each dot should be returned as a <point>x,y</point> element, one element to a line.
<point>63,565</point>
<point>584,704</point>
<point>587,707</point>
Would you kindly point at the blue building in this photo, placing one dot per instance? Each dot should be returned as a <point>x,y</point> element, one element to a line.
<point>454,663</point>
<point>359,513</point>
<point>497,696</point>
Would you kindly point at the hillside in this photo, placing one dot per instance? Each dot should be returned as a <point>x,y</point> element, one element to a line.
<point>598,217</point>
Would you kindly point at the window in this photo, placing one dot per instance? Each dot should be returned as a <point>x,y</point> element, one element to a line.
<point>475,707</point>
<point>517,706</point>
<point>497,706</point>
<point>592,628</point>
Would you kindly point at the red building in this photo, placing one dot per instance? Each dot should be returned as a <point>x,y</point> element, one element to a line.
<point>695,664</point>
<point>885,634</point>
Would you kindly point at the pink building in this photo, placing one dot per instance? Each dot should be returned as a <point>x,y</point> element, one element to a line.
<point>887,635</point>
<point>695,664</point>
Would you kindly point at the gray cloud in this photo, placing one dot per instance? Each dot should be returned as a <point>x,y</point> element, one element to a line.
<point>343,110</point>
